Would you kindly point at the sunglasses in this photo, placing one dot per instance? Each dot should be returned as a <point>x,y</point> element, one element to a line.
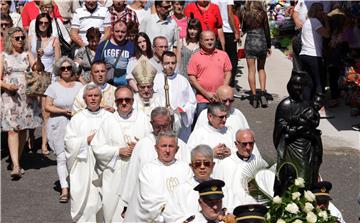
<point>66,68</point>
<point>18,38</point>
<point>166,6</point>
<point>244,144</point>
<point>5,25</point>
<point>220,116</point>
<point>43,23</point>
<point>121,100</point>
<point>227,100</point>
<point>199,163</point>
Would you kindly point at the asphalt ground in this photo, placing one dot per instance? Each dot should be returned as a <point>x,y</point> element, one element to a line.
<point>34,198</point>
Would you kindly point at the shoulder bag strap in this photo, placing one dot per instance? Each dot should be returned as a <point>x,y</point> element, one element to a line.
<point>117,59</point>
<point>87,55</point>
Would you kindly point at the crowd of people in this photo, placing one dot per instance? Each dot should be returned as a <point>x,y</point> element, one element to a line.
<point>140,105</point>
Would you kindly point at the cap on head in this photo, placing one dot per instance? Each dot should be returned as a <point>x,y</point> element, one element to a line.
<point>250,213</point>
<point>210,189</point>
<point>144,72</point>
<point>322,191</point>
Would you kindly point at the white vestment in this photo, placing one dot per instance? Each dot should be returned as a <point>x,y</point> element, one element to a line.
<point>109,165</point>
<point>181,97</point>
<point>231,171</point>
<point>84,196</point>
<point>184,202</point>
<point>155,183</point>
<point>157,100</point>
<point>108,98</point>
<point>145,152</point>
<point>212,137</point>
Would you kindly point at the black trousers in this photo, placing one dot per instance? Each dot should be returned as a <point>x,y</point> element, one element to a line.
<point>231,50</point>
<point>314,67</point>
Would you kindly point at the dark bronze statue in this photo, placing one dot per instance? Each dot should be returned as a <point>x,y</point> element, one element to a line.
<point>296,139</point>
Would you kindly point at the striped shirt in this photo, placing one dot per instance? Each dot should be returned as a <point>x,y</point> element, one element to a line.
<point>83,20</point>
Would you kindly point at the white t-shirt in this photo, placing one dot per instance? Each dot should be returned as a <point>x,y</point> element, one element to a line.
<point>311,40</point>
<point>302,7</point>
<point>224,13</point>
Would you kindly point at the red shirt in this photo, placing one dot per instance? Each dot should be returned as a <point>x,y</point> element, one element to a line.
<point>210,19</point>
<point>31,11</point>
<point>209,70</point>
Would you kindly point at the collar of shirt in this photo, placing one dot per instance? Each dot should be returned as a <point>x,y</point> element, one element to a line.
<point>157,19</point>
<point>126,116</point>
<point>221,131</point>
<point>202,52</point>
<point>97,8</point>
<point>171,77</point>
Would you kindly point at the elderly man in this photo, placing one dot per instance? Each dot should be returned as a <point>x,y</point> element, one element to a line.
<point>157,180</point>
<point>160,23</point>
<point>181,96</point>
<point>215,133</point>
<point>184,199</point>
<point>208,69</point>
<point>160,45</point>
<point>98,77</point>
<point>231,169</point>
<point>146,100</point>
<point>236,120</point>
<point>116,52</point>
<point>113,145</point>
<point>85,197</point>
<point>90,15</point>
<point>143,153</point>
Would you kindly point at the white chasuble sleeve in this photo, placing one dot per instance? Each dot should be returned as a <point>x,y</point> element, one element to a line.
<point>107,142</point>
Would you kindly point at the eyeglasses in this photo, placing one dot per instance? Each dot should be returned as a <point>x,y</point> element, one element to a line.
<point>244,144</point>
<point>227,100</point>
<point>66,68</point>
<point>43,23</point>
<point>121,100</point>
<point>5,25</point>
<point>163,47</point>
<point>220,116</point>
<point>166,6</point>
<point>18,38</point>
<point>199,163</point>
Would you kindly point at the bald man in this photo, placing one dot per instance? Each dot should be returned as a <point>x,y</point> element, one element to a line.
<point>208,69</point>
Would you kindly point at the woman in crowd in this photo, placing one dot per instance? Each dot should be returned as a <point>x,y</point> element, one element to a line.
<point>179,17</point>
<point>85,55</point>
<point>19,111</point>
<point>5,10</point>
<point>188,45</point>
<point>59,101</point>
<point>257,46</point>
<point>312,46</point>
<point>142,48</point>
<point>45,45</point>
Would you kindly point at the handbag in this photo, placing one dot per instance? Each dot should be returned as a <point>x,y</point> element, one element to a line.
<point>38,80</point>
<point>66,48</point>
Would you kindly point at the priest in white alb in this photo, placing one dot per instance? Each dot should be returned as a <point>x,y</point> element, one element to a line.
<point>144,151</point>
<point>84,195</point>
<point>240,166</point>
<point>214,134</point>
<point>146,99</point>
<point>180,94</point>
<point>156,181</point>
<point>113,145</point>
<point>184,201</point>
<point>98,77</point>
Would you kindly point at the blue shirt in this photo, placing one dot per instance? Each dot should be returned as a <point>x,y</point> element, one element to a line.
<point>109,52</point>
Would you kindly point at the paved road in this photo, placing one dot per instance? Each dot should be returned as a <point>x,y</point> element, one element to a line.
<point>34,198</point>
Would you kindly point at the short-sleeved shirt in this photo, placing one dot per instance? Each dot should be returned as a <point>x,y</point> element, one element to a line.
<point>84,20</point>
<point>63,97</point>
<point>153,27</point>
<point>108,52</point>
<point>126,15</point>
<point>210,19</point>
<point>182,24</point>
<point>31,11</point>
<point>311,40</point>
<point>223,6</point>
<point>209,70</point>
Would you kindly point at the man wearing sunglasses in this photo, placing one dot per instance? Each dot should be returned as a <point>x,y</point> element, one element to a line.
<point>80,159</point>
<point>157,180</point>
<point>161,24</point>
<point>184,200</point>
<point>144,153</point>
<point>230,170</point>
<point>215,133</point>
<point>98,77</point>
